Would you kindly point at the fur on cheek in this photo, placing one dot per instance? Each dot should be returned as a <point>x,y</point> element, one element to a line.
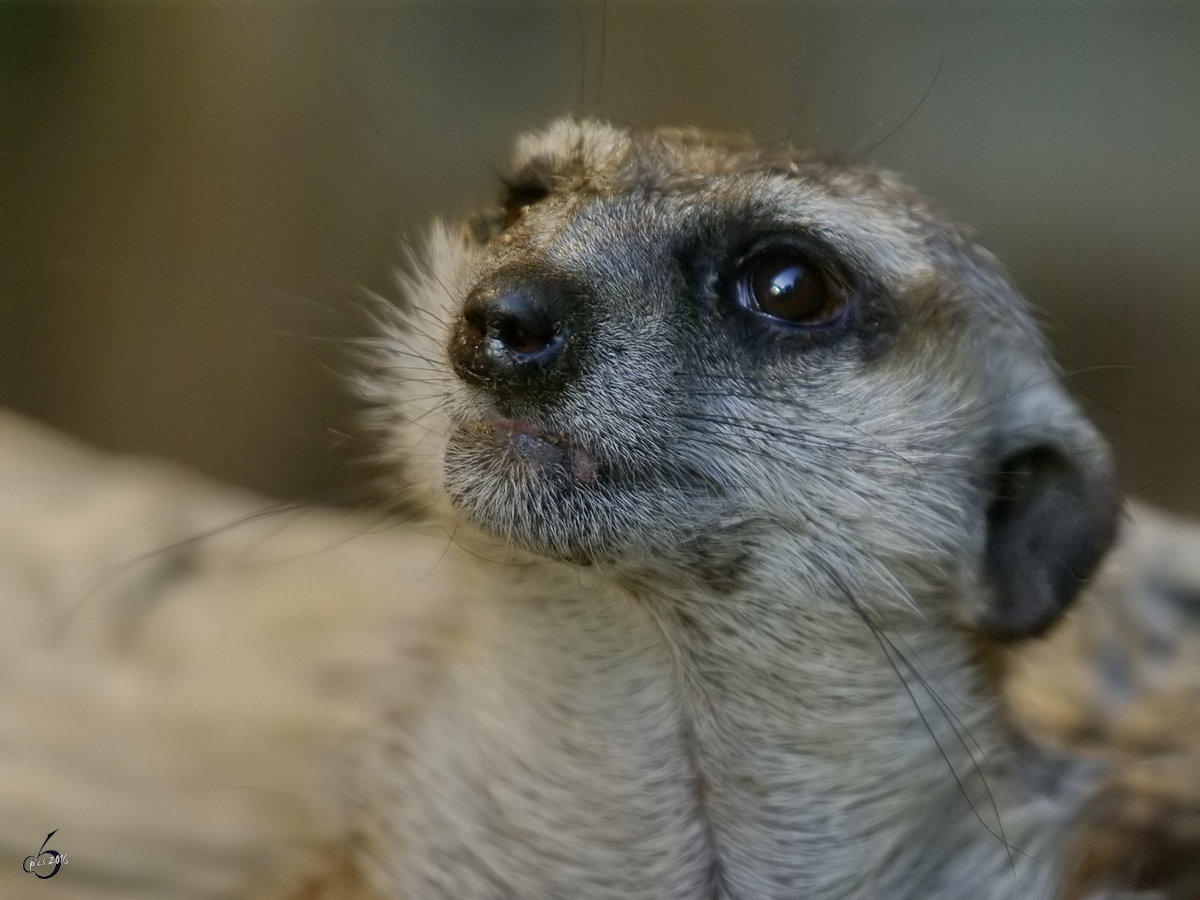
<point>411,387</point>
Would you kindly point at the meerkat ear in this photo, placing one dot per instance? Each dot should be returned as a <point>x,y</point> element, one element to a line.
<point>1051,518</point>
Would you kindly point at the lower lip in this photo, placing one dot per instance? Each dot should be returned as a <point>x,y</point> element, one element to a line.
<point>538,445</point>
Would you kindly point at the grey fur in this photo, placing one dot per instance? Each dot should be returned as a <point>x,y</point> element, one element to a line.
<point>743,660</point>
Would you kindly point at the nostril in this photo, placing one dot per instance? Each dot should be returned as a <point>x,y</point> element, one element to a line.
<point>518,322</point>
<point>525,338</point>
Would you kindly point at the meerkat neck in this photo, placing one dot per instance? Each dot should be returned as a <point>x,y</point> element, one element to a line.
<point>842,755</point>
<point>710,746</point>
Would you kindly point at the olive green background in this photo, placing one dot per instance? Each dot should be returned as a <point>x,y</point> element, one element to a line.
<point>195,197</point>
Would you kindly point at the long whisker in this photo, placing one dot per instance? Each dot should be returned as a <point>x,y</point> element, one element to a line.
<point>892,654</point>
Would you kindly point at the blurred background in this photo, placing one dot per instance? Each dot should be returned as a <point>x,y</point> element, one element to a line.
<point>195,196</point>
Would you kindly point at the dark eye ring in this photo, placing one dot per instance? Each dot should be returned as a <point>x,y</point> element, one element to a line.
<point>785,286</point>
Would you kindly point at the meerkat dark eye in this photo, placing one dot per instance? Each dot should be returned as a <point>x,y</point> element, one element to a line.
<point>520,192</point>
<point>784,285</point>
<point>519,195</point>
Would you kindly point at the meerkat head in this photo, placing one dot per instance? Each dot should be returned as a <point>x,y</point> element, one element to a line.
<point>671,348</point>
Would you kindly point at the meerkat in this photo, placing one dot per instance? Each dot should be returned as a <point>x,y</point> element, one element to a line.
<point>737,469</point>
<point>773,451</point>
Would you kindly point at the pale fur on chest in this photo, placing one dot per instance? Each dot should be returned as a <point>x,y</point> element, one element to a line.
<point>581,740</point>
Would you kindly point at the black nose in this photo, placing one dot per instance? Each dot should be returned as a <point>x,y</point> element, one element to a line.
<point>513,337</point>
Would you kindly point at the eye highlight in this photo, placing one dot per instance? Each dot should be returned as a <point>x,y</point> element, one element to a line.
<point>785,286</point>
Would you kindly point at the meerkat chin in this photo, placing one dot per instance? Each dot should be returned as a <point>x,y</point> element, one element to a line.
<point>815,453</point>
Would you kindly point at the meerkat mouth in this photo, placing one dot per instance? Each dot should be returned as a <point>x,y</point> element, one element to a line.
<point>525,444</point>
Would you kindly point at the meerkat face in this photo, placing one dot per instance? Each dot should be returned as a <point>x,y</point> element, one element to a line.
<point>675,347</point>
